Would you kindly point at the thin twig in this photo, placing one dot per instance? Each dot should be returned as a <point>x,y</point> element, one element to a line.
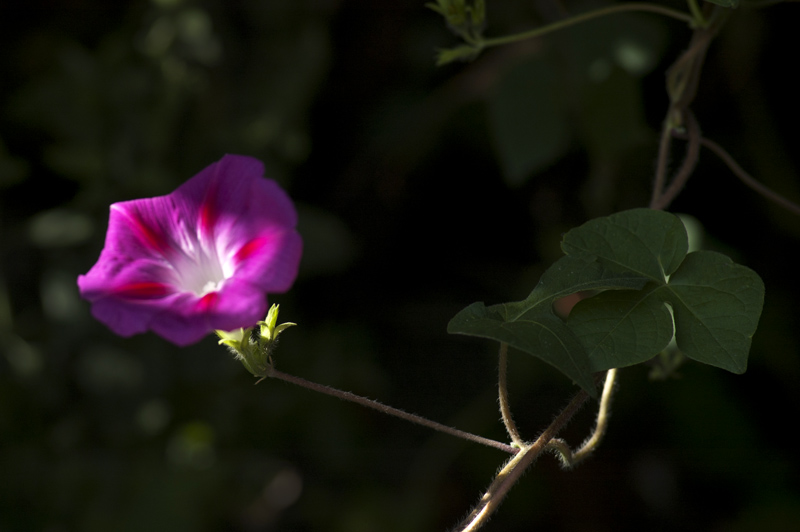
<point>632,6</point>
<point>380,407</point>
<point>687,167</point>
<point>517,465</point>
<point>743,176</point>
<point>661,163</point>
<point>683,78</point>
<point>505,408</point>
<point>697,13</point>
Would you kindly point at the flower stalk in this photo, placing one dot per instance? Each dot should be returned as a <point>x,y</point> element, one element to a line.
<point>254,351</point>
<point>385,409</point>
<point>475,43</point>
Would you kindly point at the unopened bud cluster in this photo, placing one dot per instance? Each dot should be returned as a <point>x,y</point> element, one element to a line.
<point>254,350</point>
<point>467,19</point>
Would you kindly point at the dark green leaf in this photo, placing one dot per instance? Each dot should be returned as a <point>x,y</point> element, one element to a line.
<point>650,290</point>
<point>716,306</point>
<point>647,242</point>
<point>569,275</point>
<point>532,327</point>
<point>543,335</point>
<point>622,328</point>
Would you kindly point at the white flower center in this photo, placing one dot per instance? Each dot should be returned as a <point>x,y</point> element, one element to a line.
<point>200,272</point>
<point>211,286</point>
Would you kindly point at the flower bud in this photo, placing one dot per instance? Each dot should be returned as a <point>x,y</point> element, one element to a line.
<point>255,355</point>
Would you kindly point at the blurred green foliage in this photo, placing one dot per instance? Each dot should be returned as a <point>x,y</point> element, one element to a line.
<point>585,88</point>
<point>412,205</point>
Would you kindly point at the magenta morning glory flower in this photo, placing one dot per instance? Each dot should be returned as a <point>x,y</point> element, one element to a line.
<point>200,259</point>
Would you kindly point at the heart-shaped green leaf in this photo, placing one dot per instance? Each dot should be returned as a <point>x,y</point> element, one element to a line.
<point>622,328</point>
<point>649,291</point>
<point>716,303</point>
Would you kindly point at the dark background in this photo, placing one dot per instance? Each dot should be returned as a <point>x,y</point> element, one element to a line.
<point>420,190</point>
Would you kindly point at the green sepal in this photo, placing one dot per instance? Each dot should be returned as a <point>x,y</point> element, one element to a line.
<point>255,354</point>
<point>268,328</point>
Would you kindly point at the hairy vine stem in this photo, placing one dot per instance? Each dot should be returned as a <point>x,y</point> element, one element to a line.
<point>683,78</point>
<point>517,465</point>
<point>570,459</point>
<point>380,407</point>
<point>743,176</point>
<point>662,200</point>
<point>505,407</point>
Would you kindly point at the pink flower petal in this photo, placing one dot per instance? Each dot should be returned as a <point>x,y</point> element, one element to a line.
<point>199,259</point>
<point>269,259</point>
<point>189,318</point>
